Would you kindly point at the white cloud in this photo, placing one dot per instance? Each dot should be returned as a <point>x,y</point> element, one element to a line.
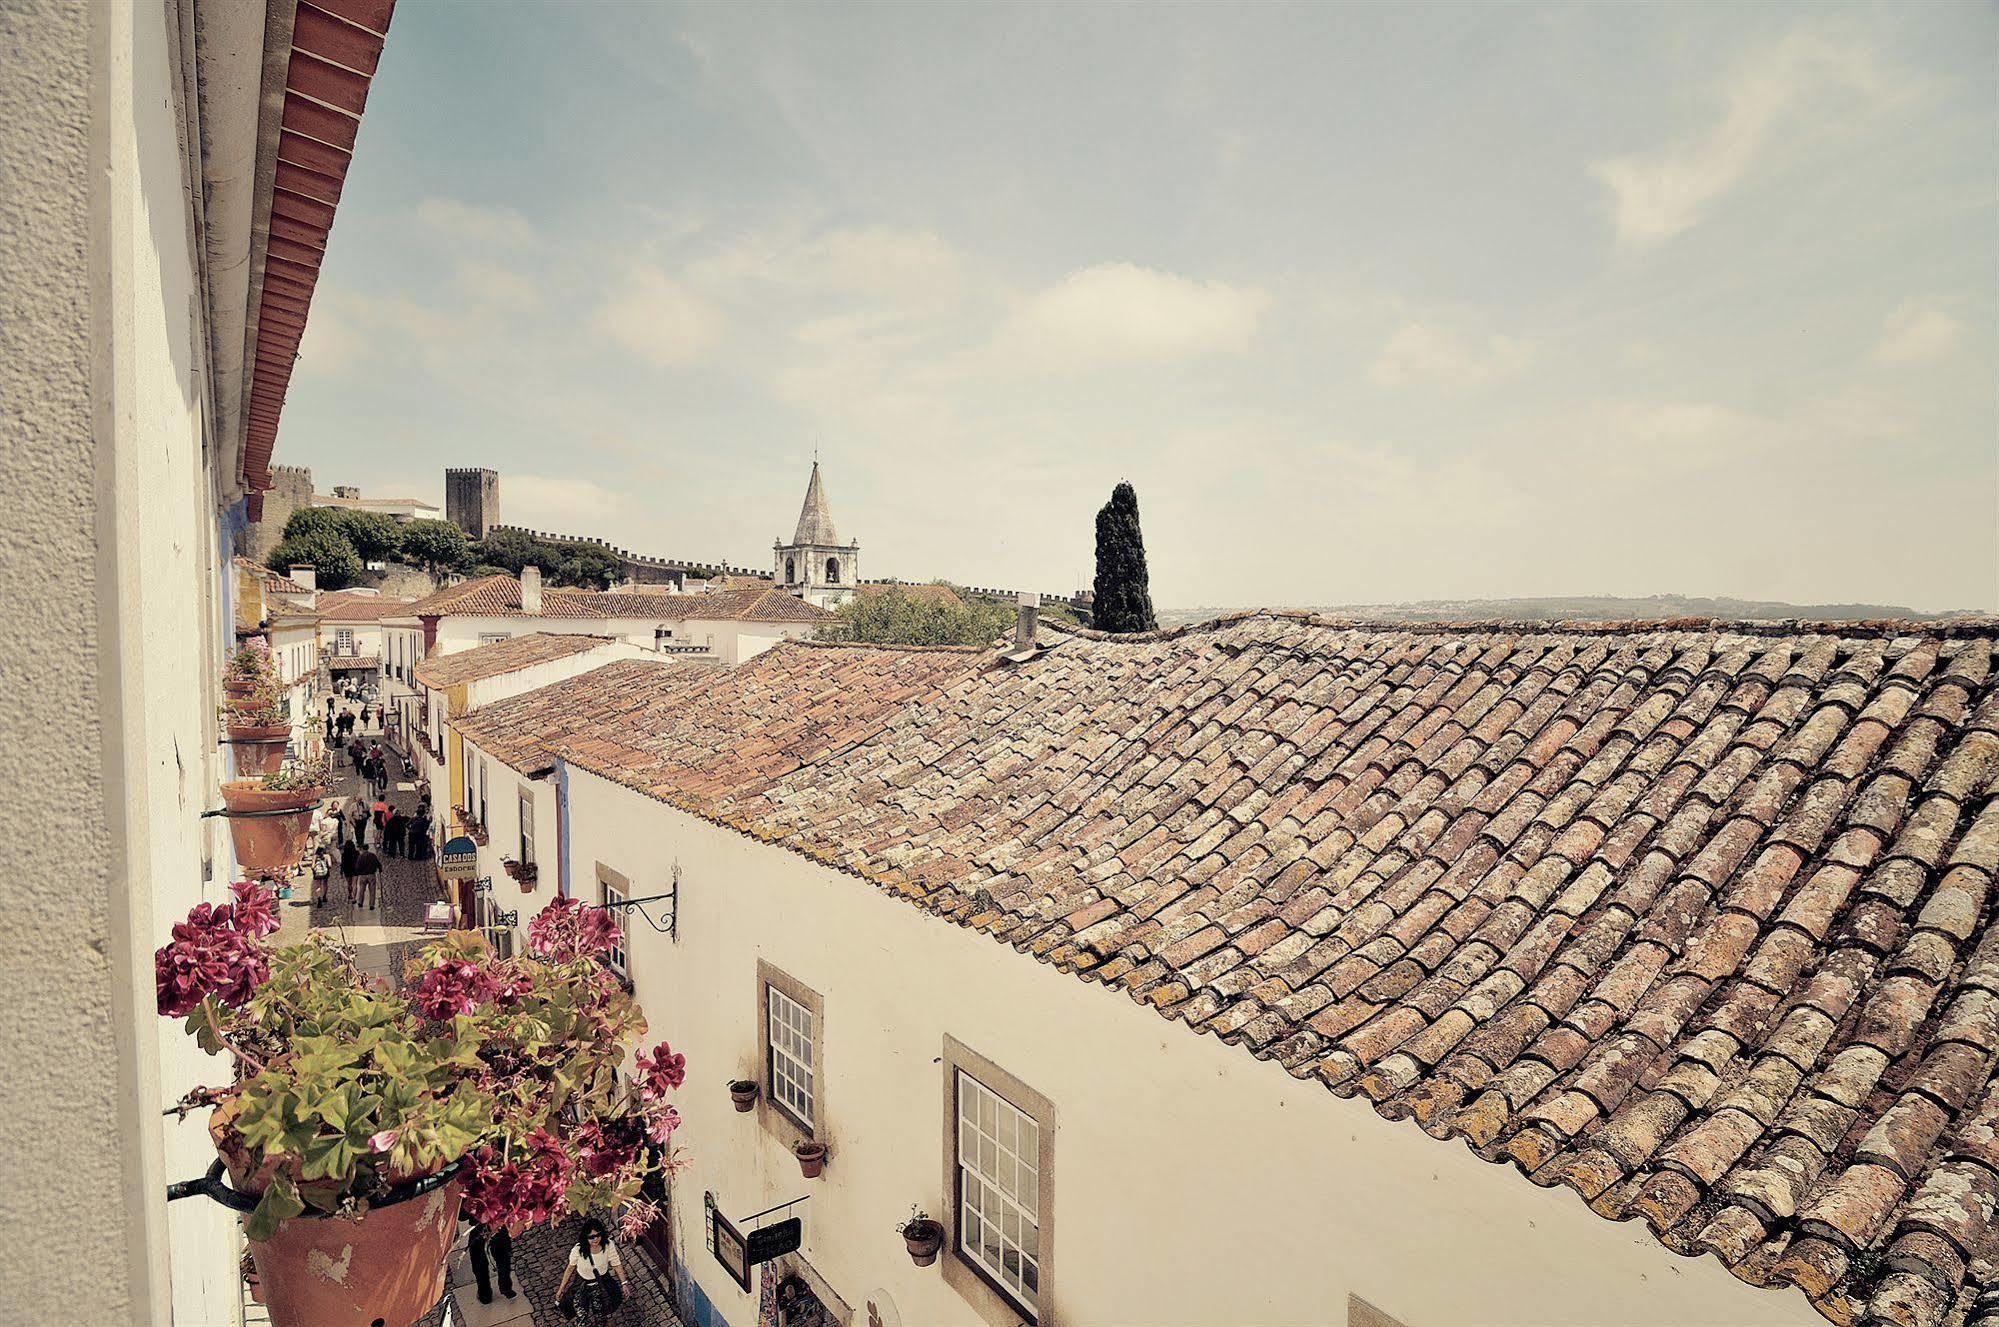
<point>1657,196</point>
<point>494,285</point>
<point>332,343</point>
<point>1918,329</point>
<point>1426,353</point>
<point>658,320</point>
<point>563,503</point>
<point>470,221</point>
<point>1120,313</point>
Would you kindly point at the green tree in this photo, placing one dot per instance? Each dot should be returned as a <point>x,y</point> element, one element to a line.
<point>316,520</point>
<point>1123,589</point>
<point>436,546</point>
<point>331,557</point>
<point>588,566</point>
<point>377,538</point>
<point>895,618</point>
<point>514,549</point>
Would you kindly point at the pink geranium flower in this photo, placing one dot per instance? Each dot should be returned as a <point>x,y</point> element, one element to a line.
<point>455,986</point>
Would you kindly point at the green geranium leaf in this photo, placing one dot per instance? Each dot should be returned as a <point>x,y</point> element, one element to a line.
<point>280,1203</point>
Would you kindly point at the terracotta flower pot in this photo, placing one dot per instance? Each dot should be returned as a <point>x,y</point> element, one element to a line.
<point>386,1267</point>
<point>237,687</point>
<point>811,1159</point>
<point>259,749</point>
<point>268,842</point>
<point>744,1093</point>
<point>923,1239</point>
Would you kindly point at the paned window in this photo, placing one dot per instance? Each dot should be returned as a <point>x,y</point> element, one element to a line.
<point>999,1190</point>
<point>527,827</point>
<point>615,955</point>
<point>791,1067</point>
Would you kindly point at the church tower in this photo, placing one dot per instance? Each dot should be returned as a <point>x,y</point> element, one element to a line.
<point>815,565</point>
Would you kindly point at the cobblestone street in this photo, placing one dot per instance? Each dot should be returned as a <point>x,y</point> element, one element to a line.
<point>539,1257</point>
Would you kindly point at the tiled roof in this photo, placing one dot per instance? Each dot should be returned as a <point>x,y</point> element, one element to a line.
<point>763,604</point>
<point>500,596</point>
<point>506,656</point>
<point>1693,919</point>
<point>346,606</point>
<point>273,583</point>
<point>736,724</point>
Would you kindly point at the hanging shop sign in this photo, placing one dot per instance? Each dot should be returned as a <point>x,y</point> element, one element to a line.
<point>774,1241</point>
<point>738,1252</point>
<point>460,860</point>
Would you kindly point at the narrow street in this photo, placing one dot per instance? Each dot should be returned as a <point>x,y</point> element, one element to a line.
<point>385,938</point>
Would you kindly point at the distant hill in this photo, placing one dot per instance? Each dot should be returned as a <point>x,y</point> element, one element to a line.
<point>1587,608</point>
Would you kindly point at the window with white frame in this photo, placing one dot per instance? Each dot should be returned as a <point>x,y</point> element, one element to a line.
<point>792,1071</point>
<point>494,637</point>
<point>613,897</point>
<point>999,1190</point>
<point>527,827</point>
<point>343,640</point>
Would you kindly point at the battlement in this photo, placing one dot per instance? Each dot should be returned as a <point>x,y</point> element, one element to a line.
<point>693,567</point>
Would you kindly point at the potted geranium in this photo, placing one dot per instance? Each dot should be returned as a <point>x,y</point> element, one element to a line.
<point>922,1236</point>
<point>249,668</point>
<point>811,1156</point>
<point>271,815</point>
<point>258,730</point>
<point>522,873</point>
<point>359,1118</point>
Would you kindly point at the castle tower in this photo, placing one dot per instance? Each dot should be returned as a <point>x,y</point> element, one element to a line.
<point>472,500</point>
<point>815,565</point>
<point>291,489</point>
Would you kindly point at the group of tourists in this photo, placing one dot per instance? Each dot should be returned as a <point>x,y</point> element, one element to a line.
<point>342,722</point>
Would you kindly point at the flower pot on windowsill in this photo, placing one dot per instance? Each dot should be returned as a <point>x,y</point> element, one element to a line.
<point>524,873</point>
<point>274,837</point>
<point>743,1091</point>
<point>811,1158</point>
<point>259,748</point>
<point>923,1238</point>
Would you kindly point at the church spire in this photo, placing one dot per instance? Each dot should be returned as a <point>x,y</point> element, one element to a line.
<point>815,522</point>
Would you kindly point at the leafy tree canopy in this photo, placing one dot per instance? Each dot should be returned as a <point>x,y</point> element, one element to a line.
<point>376,537</point>
<point>331,557</point>
<point>895,618</point>
<point>1123,588</point>
<point>435,546</point>
<point>314,520</point>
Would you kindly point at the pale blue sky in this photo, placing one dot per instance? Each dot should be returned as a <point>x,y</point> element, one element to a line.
<point>1369,303</point>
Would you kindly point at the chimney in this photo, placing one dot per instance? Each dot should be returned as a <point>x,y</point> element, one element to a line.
<point>307,575</point>
<point>531,590</point>
<point>1027,618</point>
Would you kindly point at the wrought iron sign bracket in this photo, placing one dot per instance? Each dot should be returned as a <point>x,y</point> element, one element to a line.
<point>669,926</point>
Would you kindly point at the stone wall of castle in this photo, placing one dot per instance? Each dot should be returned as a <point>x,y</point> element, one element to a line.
<point>291,489</point>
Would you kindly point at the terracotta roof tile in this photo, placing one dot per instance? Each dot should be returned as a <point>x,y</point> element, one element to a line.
<point>346,606</point>
<point>1696,919</point>
<point>506,656</point>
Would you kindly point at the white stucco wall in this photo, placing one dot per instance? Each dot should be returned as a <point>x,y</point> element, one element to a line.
<point>1192,1184</point>
<point>489,689</point>
<point>116,573</point>
<point>462,631</point>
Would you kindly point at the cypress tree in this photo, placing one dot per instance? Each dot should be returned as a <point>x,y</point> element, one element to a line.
<point>1123,590</point>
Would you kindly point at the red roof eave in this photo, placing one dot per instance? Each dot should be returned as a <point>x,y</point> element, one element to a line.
<point>336,45</point>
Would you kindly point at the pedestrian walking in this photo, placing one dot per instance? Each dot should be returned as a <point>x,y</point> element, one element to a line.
<point>360,822</point>
<point>482,1243</point>
<point>381,812</point>
<point>419,834</point>
<point>399,826</point>
<point>350,858</point>
<point>322,872</point>
<point>368,867</point>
